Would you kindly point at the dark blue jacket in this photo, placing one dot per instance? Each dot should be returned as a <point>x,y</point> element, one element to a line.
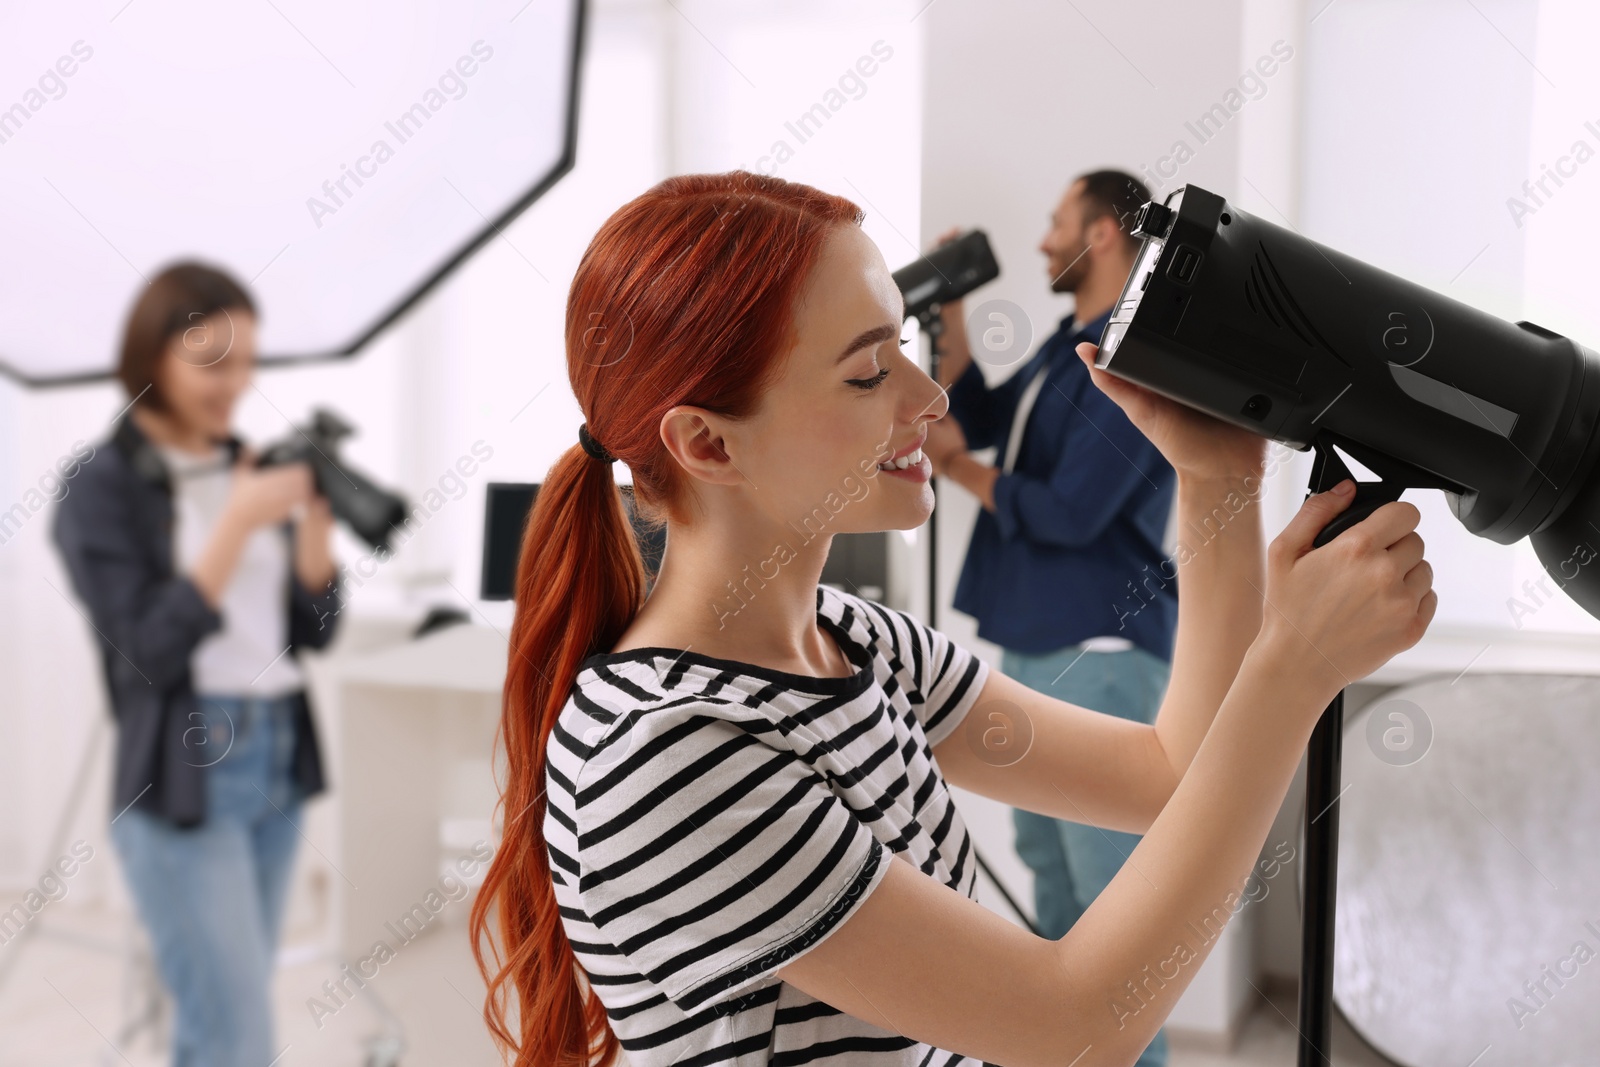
<point>1073,547</point>
<point>114,530</point>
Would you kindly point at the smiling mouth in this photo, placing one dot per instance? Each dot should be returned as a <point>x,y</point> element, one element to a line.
<point>911,459</point>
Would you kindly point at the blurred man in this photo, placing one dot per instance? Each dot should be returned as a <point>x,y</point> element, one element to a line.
<point>1064,569</point>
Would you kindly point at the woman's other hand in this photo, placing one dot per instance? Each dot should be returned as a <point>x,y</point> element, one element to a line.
<point>262,496</point>
<point>945,440</point>
<point>1342,610</point>
<point>313,547</point>
<point>1196,444</point>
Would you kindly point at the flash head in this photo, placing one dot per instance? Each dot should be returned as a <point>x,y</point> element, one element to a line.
<point>1266,329</point>
<point>948,273</point>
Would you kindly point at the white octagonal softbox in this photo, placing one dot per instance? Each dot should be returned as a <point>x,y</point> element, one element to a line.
<point>338,157</point>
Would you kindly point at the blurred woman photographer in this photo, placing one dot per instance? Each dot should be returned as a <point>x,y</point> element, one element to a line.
<point>203,577</point>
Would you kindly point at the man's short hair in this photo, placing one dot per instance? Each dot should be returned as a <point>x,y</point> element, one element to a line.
<point>1114,193</point>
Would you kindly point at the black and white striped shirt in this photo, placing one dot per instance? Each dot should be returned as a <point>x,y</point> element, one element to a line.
<point>710,820</point>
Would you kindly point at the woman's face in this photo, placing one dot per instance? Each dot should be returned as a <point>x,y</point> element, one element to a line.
<point>206,367</point>
<point>848,399</point>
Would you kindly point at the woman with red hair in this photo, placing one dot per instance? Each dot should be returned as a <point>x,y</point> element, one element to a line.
<point>708,790</point>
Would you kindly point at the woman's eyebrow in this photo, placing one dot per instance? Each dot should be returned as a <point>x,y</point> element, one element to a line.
<point>875,336</point>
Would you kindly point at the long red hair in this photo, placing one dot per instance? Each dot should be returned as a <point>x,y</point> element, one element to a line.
<point>686,295</point>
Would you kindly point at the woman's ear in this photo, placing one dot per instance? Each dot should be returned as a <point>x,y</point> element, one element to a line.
<point>697,439</point>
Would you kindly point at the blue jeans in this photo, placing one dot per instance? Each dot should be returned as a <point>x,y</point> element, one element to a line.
<point>1072,863</point>
<point>212,896</point>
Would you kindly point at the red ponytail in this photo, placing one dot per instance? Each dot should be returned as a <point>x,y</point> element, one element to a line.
<point>685,296</point>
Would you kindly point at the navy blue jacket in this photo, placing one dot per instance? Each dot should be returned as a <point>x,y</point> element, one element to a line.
<point>114,531</point>
<point>1073,547</point>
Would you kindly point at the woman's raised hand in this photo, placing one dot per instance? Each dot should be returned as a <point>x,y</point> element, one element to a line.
<point>1196,444</point>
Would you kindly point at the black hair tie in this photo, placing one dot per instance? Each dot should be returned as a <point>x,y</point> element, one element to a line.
<point>593,447</point>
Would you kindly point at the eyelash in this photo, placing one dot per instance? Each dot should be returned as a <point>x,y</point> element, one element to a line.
<point>877,379</point>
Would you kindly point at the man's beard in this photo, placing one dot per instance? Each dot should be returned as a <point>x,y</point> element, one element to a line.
<point>1074,272</point>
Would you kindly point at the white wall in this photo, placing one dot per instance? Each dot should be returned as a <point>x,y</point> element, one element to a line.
<point>1397,132</point>
<point>1021,97</point>
<point>1407,165</point>
<point>667,88</point>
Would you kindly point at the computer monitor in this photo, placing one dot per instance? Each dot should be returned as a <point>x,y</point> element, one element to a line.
<point>859,563</point>
<point>506,508</point>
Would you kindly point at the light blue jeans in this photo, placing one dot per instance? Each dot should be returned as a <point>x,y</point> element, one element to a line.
<point>212,896</point>
<point>1072,863</point>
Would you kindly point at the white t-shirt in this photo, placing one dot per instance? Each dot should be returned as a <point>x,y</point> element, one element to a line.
<point>247,656</point>
<point>708,821</point>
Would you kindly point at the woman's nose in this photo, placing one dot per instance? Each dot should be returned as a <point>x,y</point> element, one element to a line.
<point>927,400</point>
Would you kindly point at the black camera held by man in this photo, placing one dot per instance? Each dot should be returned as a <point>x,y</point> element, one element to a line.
<point>373,513</point>
<point>948,273</point>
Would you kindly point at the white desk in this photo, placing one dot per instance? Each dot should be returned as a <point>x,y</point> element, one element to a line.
<point>399,727</point>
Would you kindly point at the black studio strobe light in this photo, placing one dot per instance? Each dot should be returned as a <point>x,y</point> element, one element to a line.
<point>1268,330</point>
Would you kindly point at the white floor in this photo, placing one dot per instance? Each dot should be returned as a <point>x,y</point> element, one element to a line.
<point>61,1004</point>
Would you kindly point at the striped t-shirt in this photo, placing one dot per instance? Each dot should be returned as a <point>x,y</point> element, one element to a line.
<point>710,820</point>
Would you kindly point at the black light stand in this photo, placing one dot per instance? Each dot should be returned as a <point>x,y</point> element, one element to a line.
<point>1322,794</point>
<point>933,326</point>
<point>945,274</point>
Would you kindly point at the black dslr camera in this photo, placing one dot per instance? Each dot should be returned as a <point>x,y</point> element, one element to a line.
<point>373,513</point>
<point>948,273</point>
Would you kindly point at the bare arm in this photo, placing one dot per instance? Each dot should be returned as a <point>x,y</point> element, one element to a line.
<point>313,552</point>
<point>1221,575</point>
<point>973,475</point>
<point>1218,559</point>
<point>1077,764</point>
<point>1102,770</point>
<point>1019,999</point>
